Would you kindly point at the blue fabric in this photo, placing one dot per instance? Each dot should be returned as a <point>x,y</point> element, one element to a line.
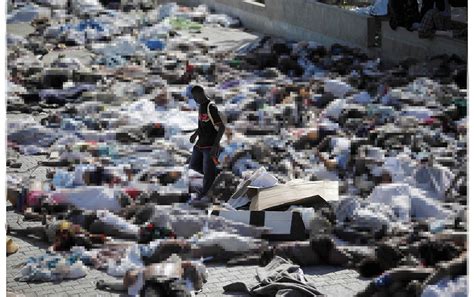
<point>21,202</point>
<point>383,280</point>
<point>342,160</point>
<point>83,25</point>
<point>58,96</point>
<point>63,179</point>
<point>155,44</point>
<point>112,61</point>
<point>69,124</point>
<point>40,268</point>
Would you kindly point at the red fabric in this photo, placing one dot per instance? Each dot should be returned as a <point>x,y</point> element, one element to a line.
<point>132,192</point>
<point>33,198</point>
<point>430,121</point>
<point>204,117</point>
<point>189,68</point>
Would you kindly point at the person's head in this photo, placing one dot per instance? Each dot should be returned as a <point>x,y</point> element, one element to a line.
<point>370,267</point>
<point>63,230</point>
<point>322,245</point>
<point>388,255</point>
<point>130,278</point>
<point>198,94</point>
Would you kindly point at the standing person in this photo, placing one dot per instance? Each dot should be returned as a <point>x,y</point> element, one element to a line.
<point>209,133</point>
<point>427,5</point>
<point>436,16</point>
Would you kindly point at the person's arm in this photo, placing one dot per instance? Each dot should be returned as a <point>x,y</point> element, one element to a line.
<point>404,274</point>
<point>220,132</point>
<point>329,164</point>
<point>193,136</point>
<point>57,245</point>
<point>324,143</point>
<point>221,129</point>
<point>453,268</point>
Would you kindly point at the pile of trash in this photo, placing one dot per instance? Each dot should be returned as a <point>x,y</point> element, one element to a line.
<point>325,150</point>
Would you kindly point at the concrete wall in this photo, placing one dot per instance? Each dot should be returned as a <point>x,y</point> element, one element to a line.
<point>327,24</point>
<point>400,44</point>
<point>299,20</point>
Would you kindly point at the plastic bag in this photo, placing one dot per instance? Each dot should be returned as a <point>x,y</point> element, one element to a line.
<point>334,109</point>
<point>446,287</point>
<point>117,222</point>
<point>336,87</point>
<point>90,198</point>
<point>229,242</point>
<point>132,260</point>
<point>63,179</point>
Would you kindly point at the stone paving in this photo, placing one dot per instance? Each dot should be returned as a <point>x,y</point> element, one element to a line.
<point>330,281</point>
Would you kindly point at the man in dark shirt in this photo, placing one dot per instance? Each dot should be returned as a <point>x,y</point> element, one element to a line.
<point>210,131</point>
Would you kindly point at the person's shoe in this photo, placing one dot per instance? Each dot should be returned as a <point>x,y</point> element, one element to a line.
<point>201,202</point>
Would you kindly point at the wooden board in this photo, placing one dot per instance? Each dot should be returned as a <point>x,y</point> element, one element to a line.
<point>295,192</point>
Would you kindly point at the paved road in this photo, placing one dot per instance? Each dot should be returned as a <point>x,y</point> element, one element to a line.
<point>329,280</point>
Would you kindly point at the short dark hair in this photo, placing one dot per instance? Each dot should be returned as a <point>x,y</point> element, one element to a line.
<point>370,267</point>
<point>322,245</point>
<point>197,88</point>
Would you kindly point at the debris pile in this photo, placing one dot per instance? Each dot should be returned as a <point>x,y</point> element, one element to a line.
<point>325,150</point>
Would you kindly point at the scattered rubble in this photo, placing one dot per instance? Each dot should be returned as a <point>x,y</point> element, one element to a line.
<point>321,144</point>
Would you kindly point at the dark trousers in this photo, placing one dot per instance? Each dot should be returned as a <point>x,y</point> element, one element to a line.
<point>201,162</point>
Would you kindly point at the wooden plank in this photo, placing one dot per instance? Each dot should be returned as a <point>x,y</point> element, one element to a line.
<point>292,193</point>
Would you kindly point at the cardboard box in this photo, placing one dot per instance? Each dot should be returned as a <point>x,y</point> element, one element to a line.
<point>295,192</point>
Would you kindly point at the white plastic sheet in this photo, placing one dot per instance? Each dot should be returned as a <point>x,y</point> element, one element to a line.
<point>86,6</point>
<point>399,167</point>
<point>228,242</point>
<point>222,19</point>
<point>53,3</point>
<point>419,112</point>
<point>365,214</point>
<point>122,46</point>
<point>26,14</point>
<point>167,10</point>
<point>259,178</point>
<point>337,87</point>
<point>132,260</point>
<point>435,179</point>
<point>20,122</point>
<point>90,198</point>
<point>420,205</point>
<point>379,8</point>
<point>448,288</point>
<point>334,109</point>
<point>117,222</point>
<point>362,98</point>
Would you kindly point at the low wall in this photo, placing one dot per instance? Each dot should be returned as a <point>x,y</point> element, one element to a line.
<point>299,20</point>
<point>328,24</point>
<point>400,44</point>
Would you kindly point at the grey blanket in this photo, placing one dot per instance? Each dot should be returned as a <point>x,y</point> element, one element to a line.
<point>279,278</point>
